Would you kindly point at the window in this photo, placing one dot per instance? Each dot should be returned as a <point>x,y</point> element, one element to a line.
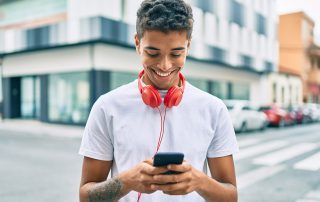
<point>240,91</point>
<point>206,5</point>
<point>38,37</point>
<point>30,97</point>
<point>199,83</point>
<point>268,66</point>
<point>261,24</point>
<point>246,61</point>
<point>219,89</point>
<point>218,54</point>
<point>274,92</point>
<point>237,13</point>
<point>69,97</point>
<point>120,78</point>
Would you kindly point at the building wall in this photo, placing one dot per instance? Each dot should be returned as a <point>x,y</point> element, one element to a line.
<point>285,90</point>
<point>234,43</point>
<point>243,31</point>
<point>295,39</point>
<point>31,13</point>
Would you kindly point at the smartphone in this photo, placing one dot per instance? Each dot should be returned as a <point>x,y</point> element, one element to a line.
<point>166,158</point>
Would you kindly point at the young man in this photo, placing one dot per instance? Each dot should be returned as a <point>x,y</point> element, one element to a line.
<point>123,128</point>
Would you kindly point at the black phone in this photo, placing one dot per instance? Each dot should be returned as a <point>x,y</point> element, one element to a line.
<point>166,158</point>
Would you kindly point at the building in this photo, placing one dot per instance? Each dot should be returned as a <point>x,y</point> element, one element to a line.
<point>298,80</point>
<point>58,56</point>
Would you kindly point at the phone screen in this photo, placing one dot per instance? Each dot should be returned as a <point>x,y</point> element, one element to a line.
<point>166,158</point>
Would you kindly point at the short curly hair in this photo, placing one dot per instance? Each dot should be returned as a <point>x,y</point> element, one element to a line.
<point>164,16</point>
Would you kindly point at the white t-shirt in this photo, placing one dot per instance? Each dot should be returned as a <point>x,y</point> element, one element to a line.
<point>122,128</point>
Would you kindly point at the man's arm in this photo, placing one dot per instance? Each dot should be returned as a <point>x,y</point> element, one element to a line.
<point>222,186</point>
<point>94,186</point>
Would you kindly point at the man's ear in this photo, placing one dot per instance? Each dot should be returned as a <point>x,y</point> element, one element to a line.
<point>188,45</point>
<point>137,43</point>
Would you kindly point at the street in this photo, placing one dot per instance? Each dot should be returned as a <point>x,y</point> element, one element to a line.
<point>39,168</point>
<point>278,165</point>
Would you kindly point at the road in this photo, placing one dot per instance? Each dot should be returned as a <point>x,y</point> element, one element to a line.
<point>39,169</point>
<point>278,165</point>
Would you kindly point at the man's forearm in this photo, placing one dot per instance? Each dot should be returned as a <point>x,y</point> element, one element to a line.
<point>109,190</point>
<point>212,190</point>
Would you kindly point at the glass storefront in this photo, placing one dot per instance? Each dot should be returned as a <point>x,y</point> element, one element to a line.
<point>219,89</point>
<point>240,91</point>
<point>120,78</point>
<point>68,99</point>
<point>199,83</point>
<point>30,97</point>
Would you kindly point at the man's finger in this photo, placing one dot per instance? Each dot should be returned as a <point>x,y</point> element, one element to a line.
<point>174,178</point>
<point>184,167</point>
<point>170,187</point>
<point>151,170</point>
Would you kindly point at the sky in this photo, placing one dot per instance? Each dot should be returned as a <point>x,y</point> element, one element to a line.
<point>310,7</point>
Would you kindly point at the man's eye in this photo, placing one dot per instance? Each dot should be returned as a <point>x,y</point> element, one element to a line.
<point>152,55</point>
<point>176,55</point>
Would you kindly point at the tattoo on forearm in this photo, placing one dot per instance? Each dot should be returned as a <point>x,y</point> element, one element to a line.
<point>107,191</point>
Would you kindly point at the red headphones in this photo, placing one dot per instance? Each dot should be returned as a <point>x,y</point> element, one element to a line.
<point>151,96</point>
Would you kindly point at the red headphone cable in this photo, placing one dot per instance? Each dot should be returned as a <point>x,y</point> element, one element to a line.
<point>160,136</point>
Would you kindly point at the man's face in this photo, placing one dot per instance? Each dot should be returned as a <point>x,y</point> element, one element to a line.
<point>163,55</point>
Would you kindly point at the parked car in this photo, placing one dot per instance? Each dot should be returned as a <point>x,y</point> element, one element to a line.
<point>245,117</point>
<point>313,110</point>
<point>278,116</point>
<point>298,113</point>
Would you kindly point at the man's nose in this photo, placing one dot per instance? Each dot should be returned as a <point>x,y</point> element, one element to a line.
<point>165,63</point>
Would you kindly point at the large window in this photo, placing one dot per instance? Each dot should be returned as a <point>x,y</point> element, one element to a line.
<point>69,97</point>
<point>30,97</point>
<point>219,89</point>
<point>199,83</point>
<point>120,78</point>
<point>240,91</point>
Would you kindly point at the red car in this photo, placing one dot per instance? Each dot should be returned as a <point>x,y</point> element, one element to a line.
<point>277,116</point>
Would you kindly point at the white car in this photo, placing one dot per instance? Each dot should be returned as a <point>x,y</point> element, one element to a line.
<point>245,117</point>
<point>314,111</point>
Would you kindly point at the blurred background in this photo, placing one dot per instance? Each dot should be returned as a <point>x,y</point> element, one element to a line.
<point>262,57</point>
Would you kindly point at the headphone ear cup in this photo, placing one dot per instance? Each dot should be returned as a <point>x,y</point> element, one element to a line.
<point>151,96</point>
<point>173,97</point>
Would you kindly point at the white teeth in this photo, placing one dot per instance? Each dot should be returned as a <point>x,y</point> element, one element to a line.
<point>163,74</point>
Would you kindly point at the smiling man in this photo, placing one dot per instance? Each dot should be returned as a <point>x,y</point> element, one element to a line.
<point>122,132</point>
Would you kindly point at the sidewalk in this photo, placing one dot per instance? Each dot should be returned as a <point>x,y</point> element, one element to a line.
<point>34,127</point>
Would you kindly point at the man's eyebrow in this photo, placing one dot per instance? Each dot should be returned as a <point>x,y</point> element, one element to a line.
<point>174,49</point>
<point>179,48</point>
<point>151,48</point>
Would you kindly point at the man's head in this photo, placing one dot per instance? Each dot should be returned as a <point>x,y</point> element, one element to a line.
<point>164,29</point>
<point>165,16</point>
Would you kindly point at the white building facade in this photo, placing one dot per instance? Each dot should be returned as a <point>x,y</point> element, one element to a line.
<point>59,56</point>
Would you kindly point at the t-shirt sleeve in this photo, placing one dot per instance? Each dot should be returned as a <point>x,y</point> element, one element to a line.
<point>224,140</point>
<point>97,141</point>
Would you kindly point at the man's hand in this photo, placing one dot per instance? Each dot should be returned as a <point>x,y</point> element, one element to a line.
<point>140,178</point>
<point>178,184</point>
